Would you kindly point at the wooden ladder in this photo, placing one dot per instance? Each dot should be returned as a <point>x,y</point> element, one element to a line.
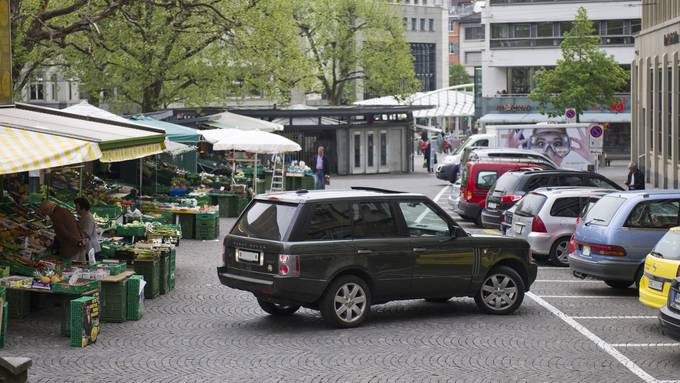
<point>279,174</point>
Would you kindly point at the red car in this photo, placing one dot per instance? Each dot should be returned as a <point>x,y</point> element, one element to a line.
<point>476,180</point>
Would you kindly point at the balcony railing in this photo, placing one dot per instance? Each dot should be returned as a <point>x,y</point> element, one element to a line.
<point>549,42</point>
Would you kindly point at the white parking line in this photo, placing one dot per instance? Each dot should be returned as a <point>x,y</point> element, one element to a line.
<point>616,317</point>
<point>565,281</point>
<point>646,345</point>
<point>616,354</point>
<point>441,192</point>
<point>584,296</point>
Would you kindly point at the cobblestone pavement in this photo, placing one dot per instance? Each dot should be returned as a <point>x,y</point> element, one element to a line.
<point>205,332</point>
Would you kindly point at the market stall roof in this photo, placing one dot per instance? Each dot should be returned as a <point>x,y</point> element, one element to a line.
<point>252,141</point>
<point>226,120</point>
<point>455,101</point>
<point>118,141</point>
<point>174,132</point>
<point>175,148</point>
<point>305,121</point>
<point>25,150</point>
<point>530,118</point>
<point>84,108</point>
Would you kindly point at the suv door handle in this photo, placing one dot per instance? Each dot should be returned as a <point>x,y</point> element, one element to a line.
<point>419,249</point>
<point>364,251</point>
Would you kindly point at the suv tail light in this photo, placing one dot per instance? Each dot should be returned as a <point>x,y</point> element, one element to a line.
<point>578,220</point>
<point>572,244</point>
<point>510,198</point>
<point>537,225</point>
<point>468,196</point>
<point>608,250</point>
<point>289,265</point>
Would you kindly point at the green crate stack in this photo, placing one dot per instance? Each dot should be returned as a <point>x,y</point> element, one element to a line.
<point>186,221</point>
<point>116,268</point>
<point>135,298</point>
<point>165,272</point>
<point>108,251</point>
<point>172,266</point>
<point>113,297</point>
<point>150,270</point>
<point>207,228</point>
<point>19,303</point>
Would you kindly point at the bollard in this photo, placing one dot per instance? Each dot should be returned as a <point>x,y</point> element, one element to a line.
<point>14,369</point>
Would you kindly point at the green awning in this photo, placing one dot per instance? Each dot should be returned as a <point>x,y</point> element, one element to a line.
<point>174,132</point>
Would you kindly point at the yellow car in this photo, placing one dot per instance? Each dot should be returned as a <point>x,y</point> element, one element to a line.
<point>662,266</point>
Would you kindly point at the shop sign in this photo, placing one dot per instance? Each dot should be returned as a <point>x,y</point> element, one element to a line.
<point>671,38</point>
<point>513,107</point>
<point>5,55</point>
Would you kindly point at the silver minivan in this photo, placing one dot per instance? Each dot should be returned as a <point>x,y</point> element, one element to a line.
<point>547,218</point>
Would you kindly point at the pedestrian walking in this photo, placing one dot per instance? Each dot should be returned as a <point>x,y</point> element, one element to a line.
<point>636,179</point>
<point>320,166</point>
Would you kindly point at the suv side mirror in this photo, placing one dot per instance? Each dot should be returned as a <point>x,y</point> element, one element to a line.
<point>458,232</point>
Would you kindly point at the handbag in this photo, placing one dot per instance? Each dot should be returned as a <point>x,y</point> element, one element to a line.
<point>327,180</point>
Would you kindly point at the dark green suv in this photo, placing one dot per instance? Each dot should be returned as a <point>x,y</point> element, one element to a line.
<point>342,251</point>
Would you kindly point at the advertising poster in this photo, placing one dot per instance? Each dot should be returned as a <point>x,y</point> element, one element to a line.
<point>90,321</point>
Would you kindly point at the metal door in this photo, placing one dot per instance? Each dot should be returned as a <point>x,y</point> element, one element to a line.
<point>357,157</point>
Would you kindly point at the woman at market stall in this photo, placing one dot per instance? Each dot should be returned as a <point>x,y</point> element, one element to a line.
<point>69,240</point>
<point>87,225</point>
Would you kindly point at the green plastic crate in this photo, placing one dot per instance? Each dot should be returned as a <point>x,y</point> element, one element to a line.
<point>107,251</point>
<point>3,330</point>
<point>164,273</point>
<point>116,268</point>
<point>113,297</point>
<point>19,303</point>
<point>135,298</point>
<point>150,270</point>
<point>186,221</point>
<point>131,231</point>
<point>83,286</point>
<point>82,333</point>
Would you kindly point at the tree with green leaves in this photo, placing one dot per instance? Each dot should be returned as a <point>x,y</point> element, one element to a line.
<point>458,75</point>
<point>41,29</point>
<point>352,44</point>
<point>585,77</point>
<point>193,51</point>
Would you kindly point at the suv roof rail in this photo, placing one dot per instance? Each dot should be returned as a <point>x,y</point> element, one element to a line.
<point>379,190</point>
<point>511,160</point>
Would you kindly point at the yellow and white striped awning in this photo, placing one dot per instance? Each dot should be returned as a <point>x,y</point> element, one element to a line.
<point>23,150</point>
<point>131,152</point>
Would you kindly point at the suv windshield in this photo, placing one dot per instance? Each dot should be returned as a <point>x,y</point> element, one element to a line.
<point>530,205</point>
<point>265,220</point>
<point>603,211</point>
<point>668,246</point>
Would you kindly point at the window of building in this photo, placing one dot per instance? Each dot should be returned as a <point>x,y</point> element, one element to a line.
<point>453,48</point>
<point>635,26</point>
<point>544,30</point>
<point>54,86</point>
<point>430,23</point>
<point>414,24</point>
<point>37,91</point>
<point>405,22</point>
<point>565,26</point>
<point>520,80</point>
<point>474,33</point>
<point>452,25</point>
<point>659,114</point>
<point>652,108</point>
<point>669,111</point>
<point>422,25</point>
<point>473,58</point>
<point>522,30</point>
<point>425,64</point>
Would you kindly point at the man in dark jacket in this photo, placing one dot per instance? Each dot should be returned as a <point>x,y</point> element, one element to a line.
<point>319,166</point>
<point>636,179</point>
<point>68,235</point>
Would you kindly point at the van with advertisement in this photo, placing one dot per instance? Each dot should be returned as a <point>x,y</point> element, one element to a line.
<point>568,145</point>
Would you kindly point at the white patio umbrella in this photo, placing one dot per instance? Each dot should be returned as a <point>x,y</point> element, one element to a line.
<point>226,120</point>
<point>216,135</point>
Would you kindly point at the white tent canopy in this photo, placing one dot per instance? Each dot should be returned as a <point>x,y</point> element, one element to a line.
<point>257,142</point>
<point>455,101</point>
<point>86,109</point>
<point>175,148</point>
<point>226,120</point>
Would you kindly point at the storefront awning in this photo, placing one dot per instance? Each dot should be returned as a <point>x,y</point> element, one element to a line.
<point>118,141</point>
<point>25,150</point>
<point>532,118</point>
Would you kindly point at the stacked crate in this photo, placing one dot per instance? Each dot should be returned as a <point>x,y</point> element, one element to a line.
<point>207,226</point>
<point>164,273</point>
<point>135,298</point>
<point>171,269</point>
<point>186,221</point>
<point>113,297</point>
<point>150,270</point>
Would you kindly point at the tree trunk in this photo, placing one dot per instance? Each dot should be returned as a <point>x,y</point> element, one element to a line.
<point>151,97</point>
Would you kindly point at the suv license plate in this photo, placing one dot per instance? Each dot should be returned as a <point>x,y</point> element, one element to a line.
<point>492,205</point>
<point>247,256</point>
<point>656,285</point>
<point>586,251</point>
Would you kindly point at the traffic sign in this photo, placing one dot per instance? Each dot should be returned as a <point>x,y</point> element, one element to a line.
<point>570,114</point>
<point>596,139</point>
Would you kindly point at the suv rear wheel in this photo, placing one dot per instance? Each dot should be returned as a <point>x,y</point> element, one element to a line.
<point>347,302</point>
<point>502,291</point>
<point>559,252</point>
<point>618,284</point>
<point>277,309</point>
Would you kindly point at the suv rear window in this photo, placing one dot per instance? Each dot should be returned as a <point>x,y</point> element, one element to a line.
<point>265,220</point>
<point>508,181</point>
<point>530,205</point>
<point>603,211</point>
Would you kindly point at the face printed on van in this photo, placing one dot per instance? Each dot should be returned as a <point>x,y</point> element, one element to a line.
<point>552,142</point>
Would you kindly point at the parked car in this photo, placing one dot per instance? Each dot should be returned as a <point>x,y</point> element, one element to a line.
<point>669,315</point>
<point>662,266</point>
<point>512,186</point>
<point>483,154</point>
<point>618,232</point>
<point>342,251</point>
<point>477,179</point>
<point>448,168</point>
<point>547,218</point>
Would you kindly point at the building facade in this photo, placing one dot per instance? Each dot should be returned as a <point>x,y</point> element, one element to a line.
<point>472,42</point>
<point>51,88</point>
<point>655,89</point>
<point>426,23</point>
<point>523,36</point>
<point>458,9</point>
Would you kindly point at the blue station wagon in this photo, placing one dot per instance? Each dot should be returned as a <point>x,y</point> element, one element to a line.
<point>618,232</point>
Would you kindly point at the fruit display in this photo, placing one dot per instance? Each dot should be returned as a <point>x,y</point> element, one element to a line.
<point>161,230</point>
<point>24,238</point>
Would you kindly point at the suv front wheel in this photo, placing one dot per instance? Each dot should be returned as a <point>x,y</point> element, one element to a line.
<point>347,302</point>
<point>277,309</point>
<point>502,291</point>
